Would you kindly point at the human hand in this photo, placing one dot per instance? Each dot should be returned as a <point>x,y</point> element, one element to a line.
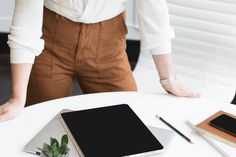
<point>164,65</point>
<point>14,106</point>
<point>177,88</point>
<point>11,109</point>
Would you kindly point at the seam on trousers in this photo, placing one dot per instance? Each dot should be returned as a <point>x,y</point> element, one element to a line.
<point>98,49</point>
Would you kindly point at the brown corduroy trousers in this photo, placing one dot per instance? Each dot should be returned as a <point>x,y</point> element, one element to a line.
<point>94,54</point>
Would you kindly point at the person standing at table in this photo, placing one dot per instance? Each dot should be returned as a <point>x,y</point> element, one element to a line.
<point>85,39</point>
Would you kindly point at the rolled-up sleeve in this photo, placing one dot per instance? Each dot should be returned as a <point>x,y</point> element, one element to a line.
<point>26,31</point>
<point>155,29</point>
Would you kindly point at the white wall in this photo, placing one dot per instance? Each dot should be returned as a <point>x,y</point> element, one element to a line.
<point>6,11</point>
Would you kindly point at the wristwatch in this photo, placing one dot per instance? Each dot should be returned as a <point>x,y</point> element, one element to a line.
<point>167,80</point>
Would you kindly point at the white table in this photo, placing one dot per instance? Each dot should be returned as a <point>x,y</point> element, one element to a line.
<point>16,133</point>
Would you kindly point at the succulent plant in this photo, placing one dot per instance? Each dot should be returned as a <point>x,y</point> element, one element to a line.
<point>55,149</point>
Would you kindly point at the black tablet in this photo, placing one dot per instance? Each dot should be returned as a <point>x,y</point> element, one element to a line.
<point>113,131</point>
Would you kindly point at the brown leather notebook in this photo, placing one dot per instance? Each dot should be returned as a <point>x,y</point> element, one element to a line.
<point>216,133</point>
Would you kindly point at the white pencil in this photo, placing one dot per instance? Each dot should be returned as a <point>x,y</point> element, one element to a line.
<point>208,140</point>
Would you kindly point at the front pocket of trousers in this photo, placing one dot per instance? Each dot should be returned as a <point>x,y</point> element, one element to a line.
<point>43,66</point>
<point>50,22</point>
<point>112,45</point>
<point>112,40</point>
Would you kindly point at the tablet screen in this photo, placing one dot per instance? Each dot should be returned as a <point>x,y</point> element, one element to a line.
<point>112,131</point>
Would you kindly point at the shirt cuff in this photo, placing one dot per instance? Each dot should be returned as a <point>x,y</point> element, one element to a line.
<point>21,55</point>
<point>164,48</point>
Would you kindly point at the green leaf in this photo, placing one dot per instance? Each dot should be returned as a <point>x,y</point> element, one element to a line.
<point>51,153</point>
<point>54,147</point>
<point>46,147</point>
<point>64,139</point>
<point>54,141</point>
<point>56,153</point>
<point>63,148</point>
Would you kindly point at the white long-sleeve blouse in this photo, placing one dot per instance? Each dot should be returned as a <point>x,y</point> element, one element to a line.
<point>26,30</point>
